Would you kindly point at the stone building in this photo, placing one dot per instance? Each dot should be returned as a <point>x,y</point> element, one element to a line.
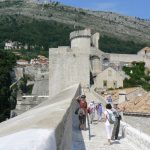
<point>109,78</point>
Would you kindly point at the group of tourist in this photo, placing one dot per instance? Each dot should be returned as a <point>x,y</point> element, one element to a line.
<point>112,116</point>
<point>92,109</point>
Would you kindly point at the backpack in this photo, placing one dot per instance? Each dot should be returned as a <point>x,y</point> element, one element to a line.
<point>76,111</point>
<point>81,112</point>
<point>111,118</point>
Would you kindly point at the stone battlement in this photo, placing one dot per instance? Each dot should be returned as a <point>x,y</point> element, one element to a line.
<point>80,33</point>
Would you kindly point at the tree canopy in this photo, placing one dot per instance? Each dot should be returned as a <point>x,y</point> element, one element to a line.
<point>7,62</point>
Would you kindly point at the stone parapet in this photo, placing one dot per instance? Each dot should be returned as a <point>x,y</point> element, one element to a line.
<point>140,139</point>
<point>52,115</point>
<point>80,33</point>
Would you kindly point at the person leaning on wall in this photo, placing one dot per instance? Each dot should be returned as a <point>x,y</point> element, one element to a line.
<point>82,105</point>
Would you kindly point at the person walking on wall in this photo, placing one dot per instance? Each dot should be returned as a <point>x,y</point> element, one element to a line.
<point>99,111</point>
<point>83,108</point>
<point>108,127</point>
<point>116,112</point>
<point>91,111</point>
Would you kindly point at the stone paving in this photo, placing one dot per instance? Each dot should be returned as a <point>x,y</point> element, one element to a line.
<point>97,139</point>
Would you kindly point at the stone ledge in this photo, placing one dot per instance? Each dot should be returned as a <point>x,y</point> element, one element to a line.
<point>139,139</point>
<point>54,114</point>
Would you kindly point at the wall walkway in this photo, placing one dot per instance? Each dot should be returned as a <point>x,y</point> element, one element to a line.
<point>53,125</point>
<point>97,140</point>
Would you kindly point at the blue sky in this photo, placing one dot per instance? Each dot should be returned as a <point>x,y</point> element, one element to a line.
<point>138,8</point>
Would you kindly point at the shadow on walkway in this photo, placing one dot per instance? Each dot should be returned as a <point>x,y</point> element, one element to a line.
<point>77,137</point>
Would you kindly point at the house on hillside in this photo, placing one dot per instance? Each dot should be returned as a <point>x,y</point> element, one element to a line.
<point>109,78</point>
<point>12,45</point>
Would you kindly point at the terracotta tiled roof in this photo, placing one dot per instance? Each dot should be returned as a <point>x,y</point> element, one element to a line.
<point>115,93</point>
<point>140,104</point>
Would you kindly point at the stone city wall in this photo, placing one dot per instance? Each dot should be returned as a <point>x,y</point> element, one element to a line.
<point>140,139</point>
<point>96,52</point>
<point>53,114</point>
<point>125,58</point>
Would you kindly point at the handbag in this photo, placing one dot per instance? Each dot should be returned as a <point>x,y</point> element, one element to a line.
<point>119,117</point>
<point>76,111</point>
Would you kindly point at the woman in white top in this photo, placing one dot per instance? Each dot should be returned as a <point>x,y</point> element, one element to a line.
<point>107,123</point>
<point>91,108</point>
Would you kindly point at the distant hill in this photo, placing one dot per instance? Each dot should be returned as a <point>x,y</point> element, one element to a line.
<point>49,25</point>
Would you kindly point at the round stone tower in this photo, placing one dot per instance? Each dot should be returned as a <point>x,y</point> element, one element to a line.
<point>81,40</point>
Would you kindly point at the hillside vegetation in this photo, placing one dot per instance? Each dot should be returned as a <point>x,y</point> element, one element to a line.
<point>49,25</point>
<point>7,62</point>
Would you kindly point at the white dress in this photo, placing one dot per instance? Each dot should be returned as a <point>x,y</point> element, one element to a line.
<point>107,124</point>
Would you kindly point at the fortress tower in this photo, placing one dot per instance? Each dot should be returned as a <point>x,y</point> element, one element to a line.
<point>81,41</point>
<point>68,66</point>
<point>95,55</point>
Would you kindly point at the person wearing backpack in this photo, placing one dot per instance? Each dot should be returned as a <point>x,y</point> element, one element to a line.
<point>116,112</point>
<point>109,119</point>
<point>83,104</point>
